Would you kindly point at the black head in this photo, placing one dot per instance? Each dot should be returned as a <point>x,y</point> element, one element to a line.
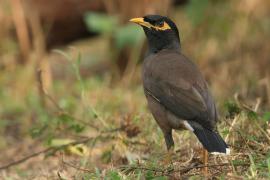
<point>161,32</point>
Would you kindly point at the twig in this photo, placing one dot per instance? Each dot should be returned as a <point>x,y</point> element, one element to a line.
<point>257,105</point>
<point>232,126</point>
<point>47,150</point>
<point>76,167</point>
<point>53,149</point>
<point>44,93</point>
<point>185,170</point>
<point>182,171</point>
<point>164,172</point>
<point>25,158</point>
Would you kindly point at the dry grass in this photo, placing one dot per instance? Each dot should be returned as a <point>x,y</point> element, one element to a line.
<point>124,142</point>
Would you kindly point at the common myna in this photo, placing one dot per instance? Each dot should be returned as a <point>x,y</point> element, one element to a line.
<point>177,93</point>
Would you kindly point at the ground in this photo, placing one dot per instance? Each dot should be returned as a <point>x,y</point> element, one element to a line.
<point>67,113</point>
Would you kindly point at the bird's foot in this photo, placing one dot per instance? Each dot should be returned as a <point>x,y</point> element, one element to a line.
<point>168,157</point>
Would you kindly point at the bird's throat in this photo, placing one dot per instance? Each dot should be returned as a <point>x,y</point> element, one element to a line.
<point>157,44</point>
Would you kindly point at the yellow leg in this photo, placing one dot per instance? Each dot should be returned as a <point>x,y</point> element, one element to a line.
<point>205,162</point>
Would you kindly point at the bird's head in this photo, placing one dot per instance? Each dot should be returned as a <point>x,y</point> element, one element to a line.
<point>161,32</point>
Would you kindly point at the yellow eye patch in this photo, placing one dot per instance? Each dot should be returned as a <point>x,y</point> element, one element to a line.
<point>141,22</point>
<point>164,27</point>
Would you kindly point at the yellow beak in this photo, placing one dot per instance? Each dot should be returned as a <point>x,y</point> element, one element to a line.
<point>137,20</point>
<point>141,22</point>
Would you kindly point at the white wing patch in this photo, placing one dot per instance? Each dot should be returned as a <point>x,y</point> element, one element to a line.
<point>188,126</point>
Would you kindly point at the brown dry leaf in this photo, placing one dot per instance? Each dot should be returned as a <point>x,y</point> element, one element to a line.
<point>130,129</point>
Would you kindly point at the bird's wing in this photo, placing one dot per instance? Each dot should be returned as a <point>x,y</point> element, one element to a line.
<point>180,96</point>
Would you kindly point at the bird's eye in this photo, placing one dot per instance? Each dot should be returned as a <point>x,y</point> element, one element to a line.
<point>160,24</point>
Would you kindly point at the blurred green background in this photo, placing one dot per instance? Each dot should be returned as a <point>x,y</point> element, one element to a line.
<point>71,69</point>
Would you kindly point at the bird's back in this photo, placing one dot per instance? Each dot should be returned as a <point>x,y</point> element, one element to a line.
<point>177,72</point>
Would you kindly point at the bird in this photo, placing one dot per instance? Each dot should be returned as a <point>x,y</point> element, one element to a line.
<point>178,95</point>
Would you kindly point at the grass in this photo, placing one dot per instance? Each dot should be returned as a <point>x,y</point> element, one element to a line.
<point>96,126</point>
<point>125,141</point>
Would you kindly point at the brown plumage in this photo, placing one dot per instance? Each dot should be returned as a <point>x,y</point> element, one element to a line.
<point>177,93</point>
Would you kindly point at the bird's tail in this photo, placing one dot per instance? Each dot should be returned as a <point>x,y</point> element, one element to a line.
<point>211,141</point>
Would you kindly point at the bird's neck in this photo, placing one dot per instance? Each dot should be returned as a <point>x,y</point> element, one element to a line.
<point>156,49</point>
<point>155,45</point>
